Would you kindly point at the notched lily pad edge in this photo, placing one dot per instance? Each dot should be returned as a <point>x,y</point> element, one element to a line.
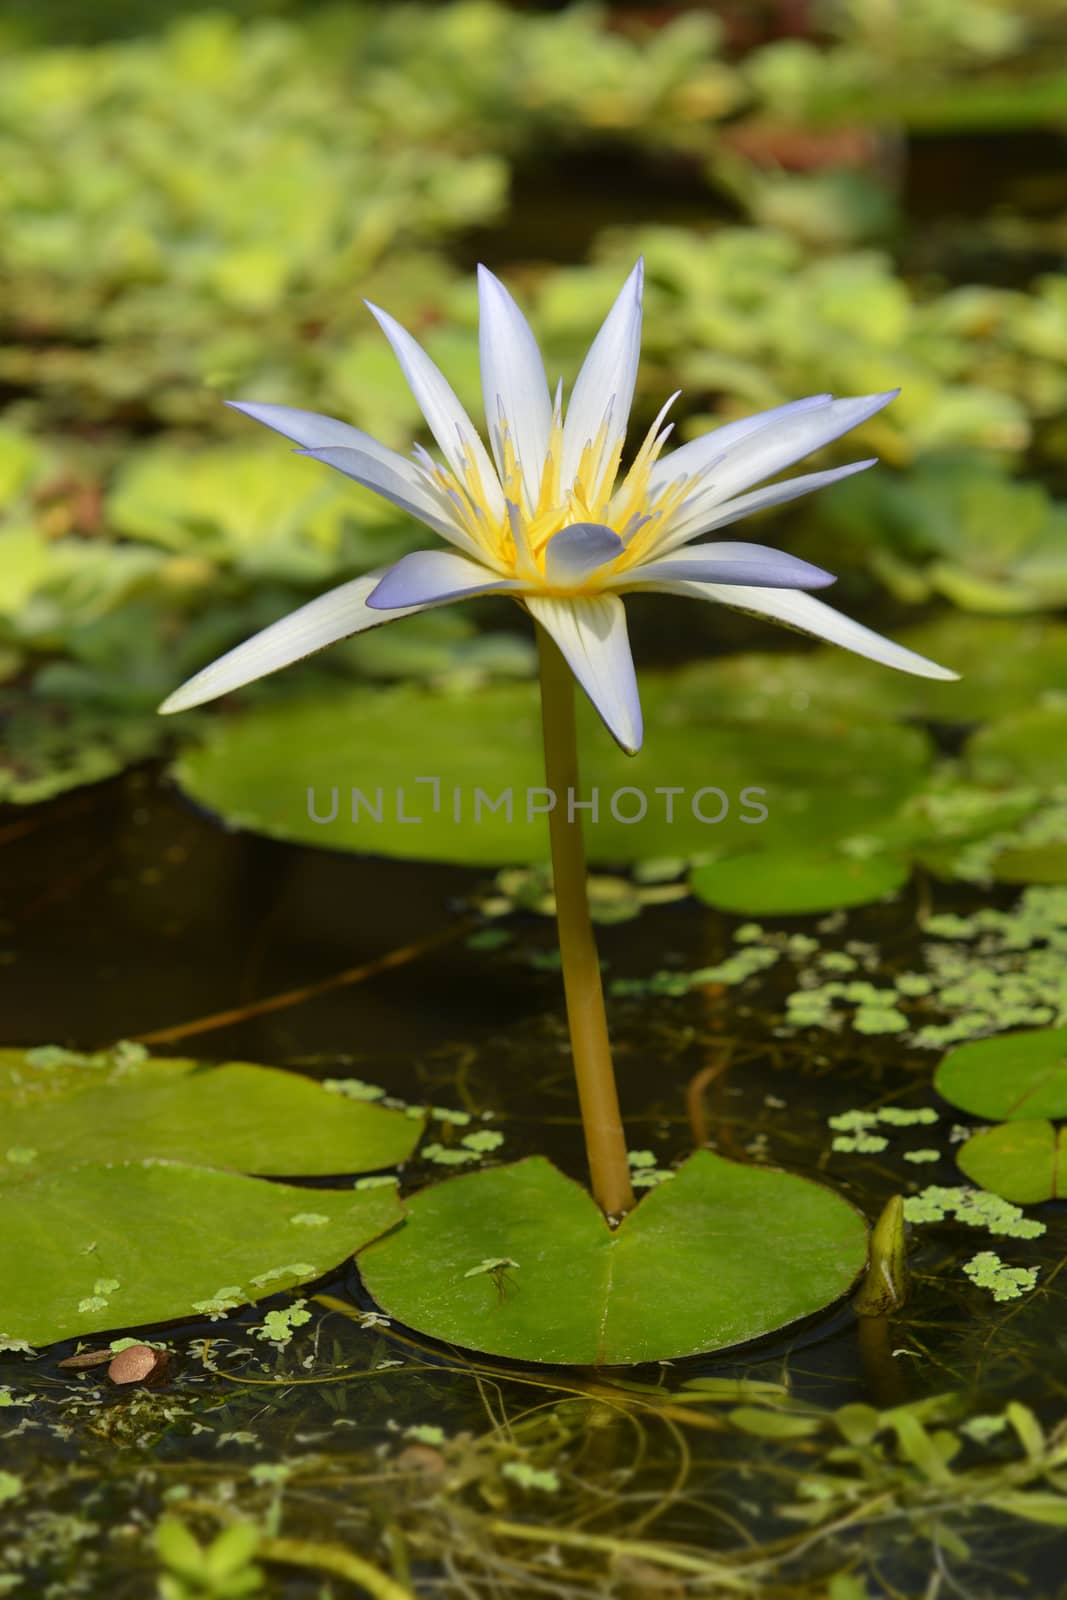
<point>648,1201</point>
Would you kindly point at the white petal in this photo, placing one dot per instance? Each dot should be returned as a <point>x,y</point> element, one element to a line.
<point>803,611</point>
<point>445,417</point>
<point>426,577</point>
<point>576,551</point>
<point>699,453</point>
<point>733,562</point>
<point>315,432</point>
<point>607,377</point>
<point>335,615</point>
<point>513,380</point>
<point>591,633</point>
<point>705,515</point>
<point>772,449</point>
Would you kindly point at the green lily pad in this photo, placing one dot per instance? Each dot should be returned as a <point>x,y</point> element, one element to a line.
<point>961,527</point>
<point>248,1118</point>
<point>104,1155</point>
<point>1022,1161</point>
<point>818,780</point>
<point>775,884</point>
<point>1024,748</point>
<point>718,1255</point>
<point>118,1245</point>
<point>1012,1077</point>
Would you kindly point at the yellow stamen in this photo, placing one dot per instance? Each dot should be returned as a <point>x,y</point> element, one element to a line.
<point>515,542</point>
<point>601,497</point>
<point>645,539</point>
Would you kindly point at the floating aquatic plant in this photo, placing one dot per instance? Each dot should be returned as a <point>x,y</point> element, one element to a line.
<point>127,1145</point>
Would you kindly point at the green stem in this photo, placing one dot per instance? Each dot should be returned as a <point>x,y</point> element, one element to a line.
<point>598,1097</point>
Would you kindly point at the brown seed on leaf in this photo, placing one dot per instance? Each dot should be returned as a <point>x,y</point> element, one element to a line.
<point>136,1364</point>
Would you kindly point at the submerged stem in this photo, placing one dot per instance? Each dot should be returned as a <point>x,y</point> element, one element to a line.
<point>598,1097</point>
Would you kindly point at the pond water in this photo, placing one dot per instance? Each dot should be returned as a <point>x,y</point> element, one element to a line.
<point>161,920</point>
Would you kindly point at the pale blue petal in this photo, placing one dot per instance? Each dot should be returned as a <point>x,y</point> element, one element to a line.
<point>607,376</point>
<point>591,633</point>
<point>573,553</point>
<point>315,432</point>
<point>690,520</point>
<point>427,577</point>
<point>733,562</point>
<point>803,611</point>
<point>513,381</point>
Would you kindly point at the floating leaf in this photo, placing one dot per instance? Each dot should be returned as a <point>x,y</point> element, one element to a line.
<point>1016,1075</point>
<point>163,1237</point>
<point>1022,1161</point>
<point>249,1118</point>
<point>774,883</point>
<point>722,1254</point>
<point>962,528</point>
<point>777,784</point>
<point>987,1271</point>
<point>1027,747</point>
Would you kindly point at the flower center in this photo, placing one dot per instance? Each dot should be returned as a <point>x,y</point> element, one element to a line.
<point>516,544</point>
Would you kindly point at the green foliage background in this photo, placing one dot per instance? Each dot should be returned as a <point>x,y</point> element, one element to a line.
<point>195,203</point>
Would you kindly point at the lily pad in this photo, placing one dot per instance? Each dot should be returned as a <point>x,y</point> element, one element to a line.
<point>716,1256</point>
<point>1015,1076</point>
<point>63,1109</point>
<point>425,770</point>
<point>119,1245</point>
<point>1022,1161</point>
<point>960,527</point>
<point>1024,748</point>
<point>777,884</point>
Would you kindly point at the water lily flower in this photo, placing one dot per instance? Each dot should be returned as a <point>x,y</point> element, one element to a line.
<point>546,517</point>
